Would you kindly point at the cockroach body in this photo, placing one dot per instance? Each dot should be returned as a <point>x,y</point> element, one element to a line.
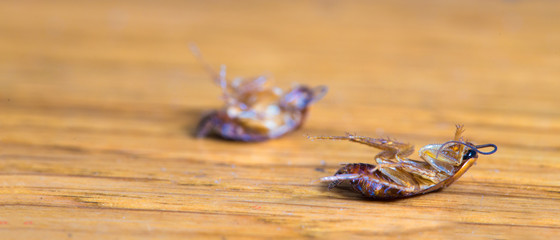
<point>397,176</point>
<point>254,112</point>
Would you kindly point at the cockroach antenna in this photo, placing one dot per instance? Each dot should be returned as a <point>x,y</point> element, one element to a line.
<point>475,148</point>
<point>219,77</point>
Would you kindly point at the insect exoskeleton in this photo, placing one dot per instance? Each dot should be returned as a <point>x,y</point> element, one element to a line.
<point>254,111</point>
<point>394,175</point>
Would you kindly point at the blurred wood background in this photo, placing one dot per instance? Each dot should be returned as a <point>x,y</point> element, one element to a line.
<point>99,99</point>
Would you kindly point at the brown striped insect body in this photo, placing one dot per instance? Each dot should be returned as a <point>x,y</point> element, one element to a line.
<point>395,175</point>
<point>254,111</point>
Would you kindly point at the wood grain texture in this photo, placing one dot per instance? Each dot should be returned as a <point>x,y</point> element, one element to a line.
<point>98,101</point>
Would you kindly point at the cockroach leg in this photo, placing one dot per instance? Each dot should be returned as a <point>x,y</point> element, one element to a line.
<point>340,177</point>
<point>421,169</point>
<point>337,179</point>
<point>392,149</point>
<point>459,129</point>
<point>206,125</point>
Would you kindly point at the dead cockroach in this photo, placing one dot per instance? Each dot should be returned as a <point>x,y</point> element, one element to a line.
<point>395,175</point>
<point>254,112</point>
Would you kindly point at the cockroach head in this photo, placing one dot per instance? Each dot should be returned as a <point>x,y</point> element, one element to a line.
<point>471,152</point>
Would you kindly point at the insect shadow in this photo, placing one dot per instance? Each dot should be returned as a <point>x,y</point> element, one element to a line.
<point>191,118</point>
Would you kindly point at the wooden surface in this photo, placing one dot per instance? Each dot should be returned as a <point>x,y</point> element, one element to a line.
<point>98,101</point>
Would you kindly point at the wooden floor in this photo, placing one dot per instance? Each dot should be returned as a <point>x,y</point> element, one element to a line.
<point>99,100</point>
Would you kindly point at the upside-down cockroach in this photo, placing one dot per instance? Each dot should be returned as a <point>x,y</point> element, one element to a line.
<point>395,175</point>
<point>254,112</point>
